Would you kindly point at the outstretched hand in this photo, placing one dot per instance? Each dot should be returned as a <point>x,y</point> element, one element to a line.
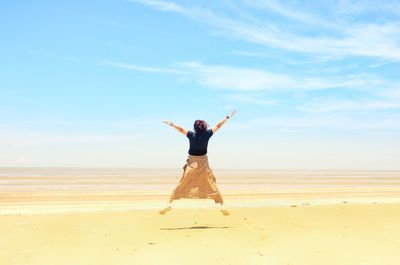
<point>169,123</point>
<point>233,113</point>
<point>177,127</point>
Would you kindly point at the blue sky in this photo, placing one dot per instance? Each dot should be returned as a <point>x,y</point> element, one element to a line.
<point>315,83</point>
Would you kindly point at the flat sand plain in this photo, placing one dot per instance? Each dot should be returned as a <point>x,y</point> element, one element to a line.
<point>324,234</point>
<point>353,219</point>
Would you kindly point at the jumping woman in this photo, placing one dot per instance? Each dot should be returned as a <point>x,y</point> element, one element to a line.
<point>198,181</point>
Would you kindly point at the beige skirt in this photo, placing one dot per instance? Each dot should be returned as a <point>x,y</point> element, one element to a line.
<point>197,182</point>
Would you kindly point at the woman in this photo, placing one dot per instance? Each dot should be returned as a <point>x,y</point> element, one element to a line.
<point>198,180</point>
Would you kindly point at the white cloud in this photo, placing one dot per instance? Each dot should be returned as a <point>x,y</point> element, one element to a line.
<point>328,121</point>
<point>248,79</point>
<point>327,105</point>
<point>391,93</point>
<point>249,98</point>
<point>162,5</point>
<point>26,138</point>
<point>142,68</point>
<point>355,7</point>
<point>295,14</point>
<point>251,53</point>
<point>351,39</point>
<point>383,63</point>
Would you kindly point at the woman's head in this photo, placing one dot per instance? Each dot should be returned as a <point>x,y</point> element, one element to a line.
<point>200,126</point>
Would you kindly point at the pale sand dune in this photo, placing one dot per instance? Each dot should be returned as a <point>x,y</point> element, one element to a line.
<point>354,234</point>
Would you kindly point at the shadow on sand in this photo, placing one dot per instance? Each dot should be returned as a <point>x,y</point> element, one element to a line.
<point>196,227</point>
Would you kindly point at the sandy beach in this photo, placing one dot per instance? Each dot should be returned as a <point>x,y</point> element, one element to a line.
<point>109,226</point>
<point>330,234</point>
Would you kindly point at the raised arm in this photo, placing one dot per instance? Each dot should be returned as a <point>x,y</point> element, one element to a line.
<point>178,128</point>
<point>221,123</point>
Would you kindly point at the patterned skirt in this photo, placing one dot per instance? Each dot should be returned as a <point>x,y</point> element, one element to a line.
<point>197,182</point>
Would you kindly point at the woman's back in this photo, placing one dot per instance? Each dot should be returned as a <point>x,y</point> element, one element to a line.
<point>198,142</point>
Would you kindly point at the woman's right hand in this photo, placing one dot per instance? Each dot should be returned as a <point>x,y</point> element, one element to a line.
<point>169,123</point>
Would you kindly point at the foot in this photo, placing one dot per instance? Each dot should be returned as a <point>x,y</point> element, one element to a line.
<point>225,212</point>
<point>165,210</point>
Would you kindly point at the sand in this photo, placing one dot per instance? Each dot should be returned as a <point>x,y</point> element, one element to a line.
<point>337,234</point>
<point>56,216</point>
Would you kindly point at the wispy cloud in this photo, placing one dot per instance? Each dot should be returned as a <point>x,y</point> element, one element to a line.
<point>27,139</point>
<point>384,63</point>
<point>143,68</point>
<point>247,79</point>
<point>162,5</point>
<point>324,121</point>
<point>371,92</point>
<point>327,105</point>
<point>253,99</point>
<point>355,7</point>
<point>288,12</point>
<point>52,56</point>
<point>251,53</point>
<point>392,92</point>
<point>351,39</point>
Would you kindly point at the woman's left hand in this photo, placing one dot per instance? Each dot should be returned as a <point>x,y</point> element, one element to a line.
<point>233,113</point>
